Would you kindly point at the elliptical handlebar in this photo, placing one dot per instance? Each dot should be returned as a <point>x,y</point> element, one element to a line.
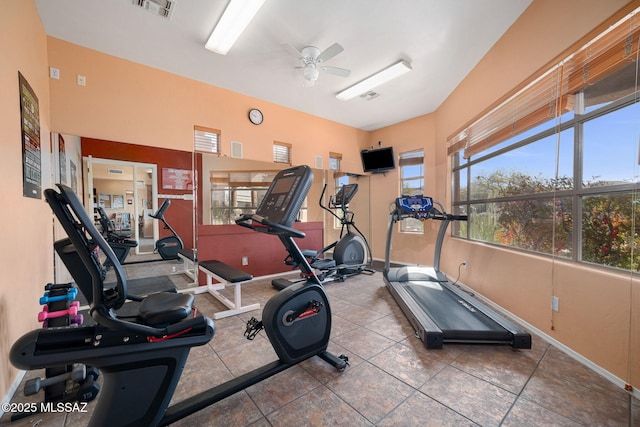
<point>324,189</point>
<point>259,223</point>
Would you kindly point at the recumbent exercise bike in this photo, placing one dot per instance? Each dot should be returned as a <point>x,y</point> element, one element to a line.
<point>142,356</point>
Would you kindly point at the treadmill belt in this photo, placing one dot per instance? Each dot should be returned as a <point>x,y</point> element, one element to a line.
<point>455,317</point>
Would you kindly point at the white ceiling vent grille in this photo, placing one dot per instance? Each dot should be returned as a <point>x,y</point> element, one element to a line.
<point>163,8</point>
<point>369,95</point>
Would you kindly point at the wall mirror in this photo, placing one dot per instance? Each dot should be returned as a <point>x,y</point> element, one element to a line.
<point>230,187</point>
<point>223,189</point>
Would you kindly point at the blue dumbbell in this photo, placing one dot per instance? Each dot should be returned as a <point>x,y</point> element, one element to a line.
<point>70,296</point>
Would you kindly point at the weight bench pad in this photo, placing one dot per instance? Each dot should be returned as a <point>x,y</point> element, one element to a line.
<point>189,254</point>
<point>227,272</point>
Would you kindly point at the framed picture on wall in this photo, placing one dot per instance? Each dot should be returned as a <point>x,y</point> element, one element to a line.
<point>104,201</point>
<point>117,201</point>
<point>177,179</point>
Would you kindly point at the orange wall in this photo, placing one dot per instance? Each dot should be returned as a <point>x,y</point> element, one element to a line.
<point>128,102</point>
<point>599,309</point>
<point>25,263</point>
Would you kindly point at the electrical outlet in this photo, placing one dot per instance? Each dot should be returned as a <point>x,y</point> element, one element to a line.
<point>555,303</point>
<point>464,264</point>
<point>82,80</point>
<point>54,73</point>
<point>245,260</point>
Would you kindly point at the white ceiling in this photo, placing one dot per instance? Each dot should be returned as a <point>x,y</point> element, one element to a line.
<point>442,39</point>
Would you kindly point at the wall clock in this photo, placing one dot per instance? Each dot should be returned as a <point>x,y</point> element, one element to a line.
<point>255,116</point>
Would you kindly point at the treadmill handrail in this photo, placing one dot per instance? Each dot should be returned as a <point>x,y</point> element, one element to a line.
<point>440,214</point>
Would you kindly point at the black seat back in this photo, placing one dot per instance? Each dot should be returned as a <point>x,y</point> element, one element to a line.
<point>86,240</point>
<point>105,222</point>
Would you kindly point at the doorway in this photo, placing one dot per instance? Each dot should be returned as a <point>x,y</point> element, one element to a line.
<point>128,193</point>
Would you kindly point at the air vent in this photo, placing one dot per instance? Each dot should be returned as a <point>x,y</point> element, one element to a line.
<point>163,8</point>
<point>369,95</point>
<point>115,171</point>
<point>236,149</point>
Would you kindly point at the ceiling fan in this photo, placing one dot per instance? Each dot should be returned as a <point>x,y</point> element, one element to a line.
<point>313,59</point>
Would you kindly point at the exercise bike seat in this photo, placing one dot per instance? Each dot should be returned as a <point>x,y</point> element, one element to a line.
<point>164,308</point>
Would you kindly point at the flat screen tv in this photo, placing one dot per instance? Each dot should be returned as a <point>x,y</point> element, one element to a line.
<point>378,160</point>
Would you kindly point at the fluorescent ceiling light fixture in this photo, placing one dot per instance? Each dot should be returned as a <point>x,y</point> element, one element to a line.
<point>233,22</point>
<point>381,77</point>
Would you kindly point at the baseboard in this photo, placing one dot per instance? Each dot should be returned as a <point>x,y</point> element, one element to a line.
<point>12,390</point>
<point>562,347</point>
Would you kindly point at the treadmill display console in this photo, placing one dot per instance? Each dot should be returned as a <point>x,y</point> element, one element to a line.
<point>414,204</point>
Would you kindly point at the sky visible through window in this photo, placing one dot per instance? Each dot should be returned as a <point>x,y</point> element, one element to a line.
<point>611,144</point>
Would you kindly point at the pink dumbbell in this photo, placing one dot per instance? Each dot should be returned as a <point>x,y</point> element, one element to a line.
<point>46,314</point>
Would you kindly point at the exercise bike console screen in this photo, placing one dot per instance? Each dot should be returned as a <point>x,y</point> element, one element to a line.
<point>414,204</point>
<point>282,201</point>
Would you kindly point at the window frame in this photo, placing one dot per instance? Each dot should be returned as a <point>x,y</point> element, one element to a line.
<point>410,226</point>
<point>575,194</point>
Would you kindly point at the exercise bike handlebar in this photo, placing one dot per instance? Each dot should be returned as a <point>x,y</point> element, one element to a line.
<point>161,210</point>
<point>262,224</point>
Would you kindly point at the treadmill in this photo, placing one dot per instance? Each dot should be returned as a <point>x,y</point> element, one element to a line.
<point>439,311</point>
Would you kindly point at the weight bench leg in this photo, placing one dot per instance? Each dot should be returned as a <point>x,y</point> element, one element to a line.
<point>190,268</point>
<point>235,306</point>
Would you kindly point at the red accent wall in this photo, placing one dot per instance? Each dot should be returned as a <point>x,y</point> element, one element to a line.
<point>266,254</point>
<point>180,213</point>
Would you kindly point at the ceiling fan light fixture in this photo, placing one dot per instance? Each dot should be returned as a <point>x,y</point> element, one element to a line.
<point>379,78</point>
<point>233,22</point>
<point>311,73</point>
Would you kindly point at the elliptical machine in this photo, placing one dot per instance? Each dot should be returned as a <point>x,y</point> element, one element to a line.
<point>351,252</point>
<point>142,357</point>
<point>167,247</point>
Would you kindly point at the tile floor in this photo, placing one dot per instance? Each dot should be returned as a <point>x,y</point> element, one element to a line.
<point>392,380</point>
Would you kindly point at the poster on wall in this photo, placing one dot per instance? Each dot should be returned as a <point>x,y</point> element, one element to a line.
<point>177,179</point>
<point>62,157</point>
<point>74,179</point>
<point>31,152</point>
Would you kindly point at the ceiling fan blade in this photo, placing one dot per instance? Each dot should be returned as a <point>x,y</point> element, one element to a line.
<point>342,72</point>
<point>330,52</point>
<point>292,50</point>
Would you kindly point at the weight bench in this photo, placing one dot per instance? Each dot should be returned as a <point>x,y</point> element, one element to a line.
<point>226,275</point>
<point>189,259</point>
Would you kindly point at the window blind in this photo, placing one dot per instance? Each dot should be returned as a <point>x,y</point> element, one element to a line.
<point>334,160</point>
<point>206,140</point>
<point>411,158</point>
<point>281,152</point>
<point>552,93</point>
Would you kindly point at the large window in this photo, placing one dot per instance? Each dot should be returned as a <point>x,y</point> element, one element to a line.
<point>411,184</point>
<point>567,187</point>
<point>236,193</point>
